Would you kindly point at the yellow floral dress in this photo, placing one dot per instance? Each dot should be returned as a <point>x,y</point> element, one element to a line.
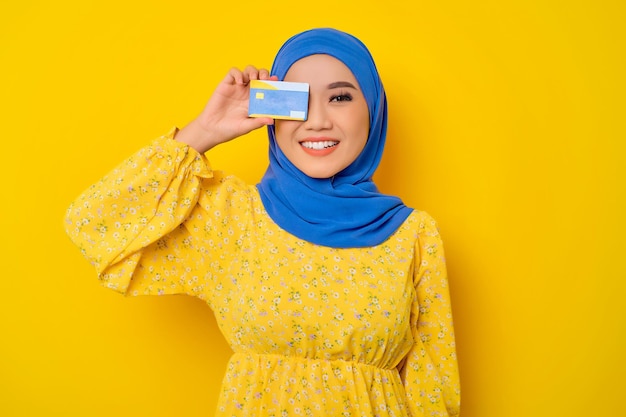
<point>316,331</point>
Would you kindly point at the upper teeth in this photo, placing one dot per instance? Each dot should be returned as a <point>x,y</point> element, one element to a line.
<point>320,144</point>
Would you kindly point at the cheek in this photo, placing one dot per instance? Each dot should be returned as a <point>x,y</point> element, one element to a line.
<point>285,132</point>
<point>280,132</point>
<point>362,128</point>
<point>284,128</point>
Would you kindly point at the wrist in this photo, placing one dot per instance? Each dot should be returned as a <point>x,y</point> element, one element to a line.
<point>196,137</point>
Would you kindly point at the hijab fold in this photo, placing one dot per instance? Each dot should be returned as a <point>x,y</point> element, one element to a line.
<point>346,210</point>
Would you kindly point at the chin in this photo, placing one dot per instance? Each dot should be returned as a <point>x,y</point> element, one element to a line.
<point>320,171</point>
<point>319,176</point>
<point>317,172</point>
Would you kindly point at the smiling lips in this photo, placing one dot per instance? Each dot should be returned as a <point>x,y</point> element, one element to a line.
<point>319,147</point>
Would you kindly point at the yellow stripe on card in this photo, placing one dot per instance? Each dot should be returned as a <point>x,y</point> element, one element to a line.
<point>262,85</point>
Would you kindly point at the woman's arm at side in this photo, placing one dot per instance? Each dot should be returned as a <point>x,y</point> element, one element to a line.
<point>430,372</point>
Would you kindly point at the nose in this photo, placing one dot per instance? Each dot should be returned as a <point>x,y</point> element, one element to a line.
<point>317,117</point>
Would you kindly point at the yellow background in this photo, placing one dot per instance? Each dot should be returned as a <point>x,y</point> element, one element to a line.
<point>506,124</point>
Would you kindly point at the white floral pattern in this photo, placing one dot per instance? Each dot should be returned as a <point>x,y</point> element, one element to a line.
<point>316,331</point>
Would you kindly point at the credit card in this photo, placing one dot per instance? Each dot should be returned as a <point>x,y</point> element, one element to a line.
<point>279,99</point>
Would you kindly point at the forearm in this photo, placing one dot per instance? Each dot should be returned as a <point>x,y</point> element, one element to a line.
<point>197,137</point>
<point>225,116</point>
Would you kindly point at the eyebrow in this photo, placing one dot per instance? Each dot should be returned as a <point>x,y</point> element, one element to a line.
<point>339,84</point>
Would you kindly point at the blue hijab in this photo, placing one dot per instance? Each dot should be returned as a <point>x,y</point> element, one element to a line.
<point>345,211</point>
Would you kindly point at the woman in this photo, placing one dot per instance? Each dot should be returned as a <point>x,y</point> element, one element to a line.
<point>332,295</point>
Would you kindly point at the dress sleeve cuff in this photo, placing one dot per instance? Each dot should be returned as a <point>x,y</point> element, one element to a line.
<point>182,154</point>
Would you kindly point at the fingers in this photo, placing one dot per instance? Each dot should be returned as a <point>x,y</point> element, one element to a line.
<point>234,76</point>
<point>253,73</point>
<point>264,74</point>
<point>238,77</point>
<point>256,123</point>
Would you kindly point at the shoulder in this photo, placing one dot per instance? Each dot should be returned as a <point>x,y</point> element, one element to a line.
<point>420,223</point>
<point>221,179</point>
<point>230,191</point>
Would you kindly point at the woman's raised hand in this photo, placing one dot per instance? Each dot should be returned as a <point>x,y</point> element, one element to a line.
<point>225,117</point>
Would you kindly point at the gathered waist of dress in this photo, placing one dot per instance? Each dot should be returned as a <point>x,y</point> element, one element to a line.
<point>311,362</point>
<point>267,384</point>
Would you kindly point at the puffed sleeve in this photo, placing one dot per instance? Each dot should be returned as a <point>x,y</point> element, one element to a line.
<point>129,224</point>
<point>430,371</point>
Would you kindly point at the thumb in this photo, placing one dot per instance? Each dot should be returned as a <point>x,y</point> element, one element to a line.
<point>254,123</point>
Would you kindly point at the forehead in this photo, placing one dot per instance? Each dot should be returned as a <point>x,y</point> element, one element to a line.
<point>319,68</point>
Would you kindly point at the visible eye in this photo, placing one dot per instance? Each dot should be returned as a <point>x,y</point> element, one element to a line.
<point>341,97</point>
